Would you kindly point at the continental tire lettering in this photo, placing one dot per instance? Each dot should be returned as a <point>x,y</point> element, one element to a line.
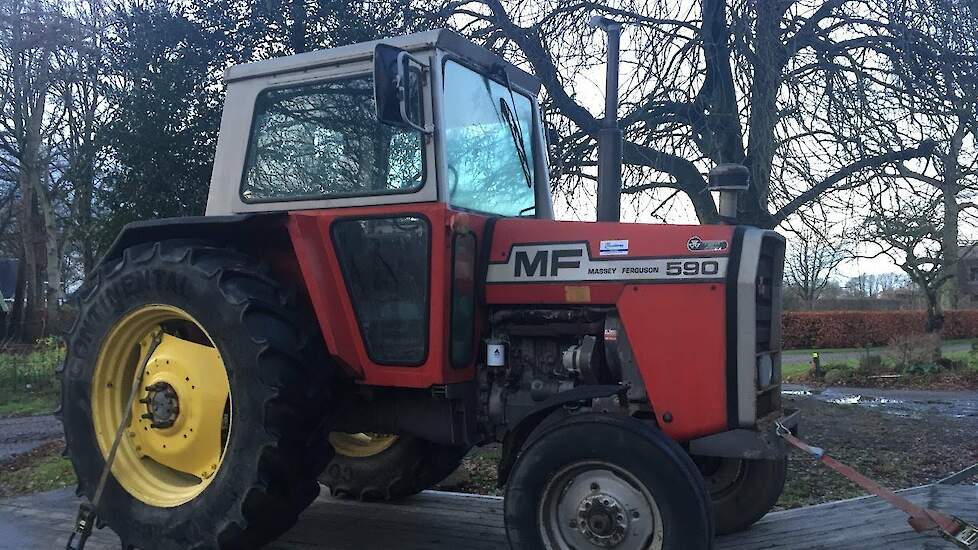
<point>137,283</point>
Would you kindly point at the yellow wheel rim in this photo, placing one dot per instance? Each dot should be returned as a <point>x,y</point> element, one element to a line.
<point>361,445</point>
<point>175,441</point>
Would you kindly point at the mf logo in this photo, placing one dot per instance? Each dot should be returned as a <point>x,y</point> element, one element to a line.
<point>558,259</point>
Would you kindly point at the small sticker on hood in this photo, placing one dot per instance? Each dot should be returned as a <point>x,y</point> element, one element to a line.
<point>614,248</point>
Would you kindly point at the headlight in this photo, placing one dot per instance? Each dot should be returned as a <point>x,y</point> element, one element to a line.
<point>765,369</point>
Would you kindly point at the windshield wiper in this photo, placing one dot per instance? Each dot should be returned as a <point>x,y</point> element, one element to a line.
<point>527,210</point>
<point>514,129</point>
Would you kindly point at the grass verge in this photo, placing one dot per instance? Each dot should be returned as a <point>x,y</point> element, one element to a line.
<point>42,469</point>
<point>28,404</point>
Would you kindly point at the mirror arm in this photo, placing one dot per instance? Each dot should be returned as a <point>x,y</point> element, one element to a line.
<point>428,127</point>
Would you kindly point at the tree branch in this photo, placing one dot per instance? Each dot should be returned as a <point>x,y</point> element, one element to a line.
<point>925,149</point>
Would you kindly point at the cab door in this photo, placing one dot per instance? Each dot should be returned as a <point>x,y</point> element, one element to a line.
<point>397,306</point>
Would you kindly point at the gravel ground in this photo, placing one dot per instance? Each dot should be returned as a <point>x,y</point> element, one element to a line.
<point>896,448</point>
<point>901,438</point>
<point>22,434</point>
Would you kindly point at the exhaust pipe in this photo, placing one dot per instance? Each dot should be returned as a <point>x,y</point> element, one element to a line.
<point>610,135</point>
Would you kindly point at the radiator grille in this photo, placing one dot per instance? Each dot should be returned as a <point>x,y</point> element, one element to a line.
<point>770,271</point>
<point>768,289</point>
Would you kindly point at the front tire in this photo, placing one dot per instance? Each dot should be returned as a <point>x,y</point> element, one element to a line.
<point>595,481</point>
<point>235,363</point>
<point>742,490</point>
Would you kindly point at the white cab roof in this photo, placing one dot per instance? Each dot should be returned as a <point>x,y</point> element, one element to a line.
<point>442,39</point>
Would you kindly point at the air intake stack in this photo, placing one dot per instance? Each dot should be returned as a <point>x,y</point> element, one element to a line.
<point>610,135</point>
<point>730,180</point>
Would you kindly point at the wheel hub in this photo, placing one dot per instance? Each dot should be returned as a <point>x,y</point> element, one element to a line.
<point>603,520</point>
<point>162,405</point>
<point>179,429</point>
<point>597,505</point>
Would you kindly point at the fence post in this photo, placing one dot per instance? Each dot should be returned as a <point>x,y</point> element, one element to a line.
<point>816,366</point>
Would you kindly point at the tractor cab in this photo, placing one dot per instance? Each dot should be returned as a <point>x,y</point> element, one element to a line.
<point>428,117</point>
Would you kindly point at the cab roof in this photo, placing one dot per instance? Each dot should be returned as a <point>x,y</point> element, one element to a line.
<point>442,39</point>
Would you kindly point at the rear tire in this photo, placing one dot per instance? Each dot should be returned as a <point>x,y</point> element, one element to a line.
<point>574,479</point>
<point>277,388</point>
<point>742,491</point>
<point>406,467</point>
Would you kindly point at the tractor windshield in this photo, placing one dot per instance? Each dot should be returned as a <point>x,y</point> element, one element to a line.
<point>489,168</point>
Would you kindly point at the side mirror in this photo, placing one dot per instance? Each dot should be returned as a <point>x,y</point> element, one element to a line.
<point>397,88</point>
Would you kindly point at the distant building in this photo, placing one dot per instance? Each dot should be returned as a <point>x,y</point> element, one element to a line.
<point>968,276</point>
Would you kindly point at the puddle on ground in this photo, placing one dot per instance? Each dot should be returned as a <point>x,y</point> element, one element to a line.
<point>906,404</point>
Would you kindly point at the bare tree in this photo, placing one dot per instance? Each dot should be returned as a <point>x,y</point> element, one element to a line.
<point>906,227</point>
<point>873,285</point>
<point>36,38</point>
<point>795,91</point>
<point>939,67</point>
<point>82,96</point>
<point>810,263</point>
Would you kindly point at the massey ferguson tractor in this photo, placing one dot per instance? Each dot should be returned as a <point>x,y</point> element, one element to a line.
<point>378,285</point>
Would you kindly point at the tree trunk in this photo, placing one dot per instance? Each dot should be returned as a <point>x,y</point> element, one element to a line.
<point>768,69</point>
<point>31,320</point>
<point>32,102</point>
<point>297,30</point>
<point>935,316</point>
<point>53,292</point>
<point>15,321</point>
<point>949,233</point>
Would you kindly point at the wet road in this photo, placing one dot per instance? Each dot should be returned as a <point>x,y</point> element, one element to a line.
<point>21,434</point>
<point>958,405</point>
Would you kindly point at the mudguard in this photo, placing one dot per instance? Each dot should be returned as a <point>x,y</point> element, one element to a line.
<point>241,230</point>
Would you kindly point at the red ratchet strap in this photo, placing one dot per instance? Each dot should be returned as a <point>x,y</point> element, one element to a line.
<point>952,528</point>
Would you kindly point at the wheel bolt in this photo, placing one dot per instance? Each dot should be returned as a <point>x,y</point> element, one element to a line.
<point>573,524</point>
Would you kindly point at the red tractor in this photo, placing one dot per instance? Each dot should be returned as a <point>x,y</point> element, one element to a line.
<point>378,285</point>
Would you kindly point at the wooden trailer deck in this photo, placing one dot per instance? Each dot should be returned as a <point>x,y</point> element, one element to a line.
<point>449,521</point>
